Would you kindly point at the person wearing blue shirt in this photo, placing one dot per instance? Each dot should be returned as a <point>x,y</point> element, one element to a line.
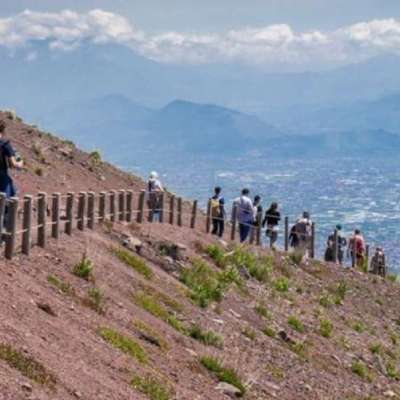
<point>8,159</point>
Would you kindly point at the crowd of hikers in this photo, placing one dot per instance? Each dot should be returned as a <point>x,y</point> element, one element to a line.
<point>248,212</point>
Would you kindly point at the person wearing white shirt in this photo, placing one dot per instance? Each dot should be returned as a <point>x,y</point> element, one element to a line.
<point>244,214</point>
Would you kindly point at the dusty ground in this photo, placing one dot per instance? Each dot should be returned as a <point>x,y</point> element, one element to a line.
<point>365,323</point>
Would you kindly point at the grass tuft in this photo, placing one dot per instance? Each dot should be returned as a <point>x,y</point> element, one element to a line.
<point>27,366</point>
<point>249,333</point>
<point>209,338</point>
<point>325,328</point>
<point>149,333</point>
<point>124,344</point>
<point>151,387</point>
<point>268,331</point>
<point>133,262</point>
<point>262,311</point>
<point>84,269</point>
<point>359,368</point>
<point>63,287</point>
<point>95,300</point>
<point>281,284</point>
<point>216,253</point>
<point>296,324</point>
<point>222,373</point>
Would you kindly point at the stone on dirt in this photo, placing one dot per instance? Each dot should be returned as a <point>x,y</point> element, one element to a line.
<point>228,389</point>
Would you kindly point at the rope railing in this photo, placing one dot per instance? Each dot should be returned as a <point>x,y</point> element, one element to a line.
<point>31,220</point>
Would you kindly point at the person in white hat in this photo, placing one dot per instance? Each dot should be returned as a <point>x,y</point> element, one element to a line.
<point>155,188</point>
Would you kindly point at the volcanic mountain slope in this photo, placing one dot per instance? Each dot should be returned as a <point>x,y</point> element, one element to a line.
<point>173,313</point>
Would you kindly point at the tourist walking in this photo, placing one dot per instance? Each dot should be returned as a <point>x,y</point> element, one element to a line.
<point>378,262</point>
<point>245,214</point>
<point>257,216</point>
<point>301,233</point>
<point>271,220</point>
<point>155,189</point>
<point>218,212</point>
<point>356,249</point>
<point>331,246</point>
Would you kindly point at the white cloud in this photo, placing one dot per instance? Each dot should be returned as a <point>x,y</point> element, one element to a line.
<point>270,45</point>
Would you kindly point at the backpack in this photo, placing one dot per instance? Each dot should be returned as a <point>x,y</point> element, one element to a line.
<point>359,245</point>
<point>215,208</point>
<point>3,158</point>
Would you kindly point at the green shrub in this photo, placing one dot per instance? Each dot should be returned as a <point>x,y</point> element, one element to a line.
<point>296,324</point>
<point>262,311</point>
<point>95,157</point>
<point>83,269</point>
<point>203,282</point>
<point>209,338</point>
<point>326,300</point>
<point>281,284</point>
<point>359,368</point>
<point>222,373</point>
<point>392,371</point>
<point>216,253</point>
<point>27,366</point>
<point>325,328</point>
<point>375,348</point>
<point>242,258</point>
<point>95,300</point>
<point>359,327</point>
<point>392,277</point>
<point>298,348</point>
<point>151,387</point>
<point>296,257</point>
<point>261,269</point>
<point>249,333</point>
<point>268,331</point>
<point>65,288</point>
<point>124,344</point>
<point>133,262</point>
<point>152,305</point>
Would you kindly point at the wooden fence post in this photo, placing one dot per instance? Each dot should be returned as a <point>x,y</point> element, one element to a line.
<point>172,209</point>
<point>367,257</point>
<point>208,219</point>
<point>179,211</point>
<point>121,205</point>
<point>12,215</point>
<point>26,225</point>
<point>102,206</point>
<point>129,202</point>
<point>41,212</point>
<point>81,211</point>
<point>91,210</point>
<point>55,215</point>
<point>112,205</point>
<point>194,215</point>
<point>69,213</point>
<point>258,233</point>
<point>2,211</point>
<point>140,215</point>
<point>161,210</point>
<point>286,233</point>
<point>234,221</point>
<point>312,249</point>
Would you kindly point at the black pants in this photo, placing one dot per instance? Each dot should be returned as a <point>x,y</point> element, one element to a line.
<point>218,227</point>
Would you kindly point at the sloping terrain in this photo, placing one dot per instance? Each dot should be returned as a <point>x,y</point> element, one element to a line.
<point>160,312</point>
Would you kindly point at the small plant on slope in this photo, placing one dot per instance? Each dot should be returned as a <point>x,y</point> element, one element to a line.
<point>95,300</point>
<point>281,284</point>
<point>296,324</point>
<point>222,373</point>
<point>151,387</point>
<point>83,269</point>
<point>325,328</point>
<point>134,262</point>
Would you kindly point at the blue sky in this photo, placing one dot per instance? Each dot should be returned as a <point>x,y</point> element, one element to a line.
<point>302,34</point>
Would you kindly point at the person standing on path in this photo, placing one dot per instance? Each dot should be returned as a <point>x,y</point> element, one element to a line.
<point>271,219</point>
<point>218,213</point>
<point>155,189</point>
<point>245,214</point>
<point>356,249</point>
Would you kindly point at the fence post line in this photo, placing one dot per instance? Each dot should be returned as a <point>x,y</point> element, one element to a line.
<point>161,210</point>
<point>2,211</point>
<point>81,211</point>
<point>112,205</point>
<point>258,234</point>
<point>140,215</point>
<point>312,250</point>
<point>11,228</point>
<point>234,221</point>
<point>102,206</point>
<point>41,212</point>
<point>172,209</point>
<point>121,205</point>
<point>335,246</point>
<point>179,211</point>
<point>91,210</point>
<point>55,215</point>
<point>194,215</point>
<point>26,226</point>
<point>367,257</point>
<point>208,219</point>
<point>129,201</point>
<point>286,233</point>
<point>69,213</point>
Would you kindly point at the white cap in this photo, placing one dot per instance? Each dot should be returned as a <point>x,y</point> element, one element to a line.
<point>153,175</point>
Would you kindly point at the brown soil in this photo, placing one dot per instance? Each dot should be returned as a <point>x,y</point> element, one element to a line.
<point>307,366</point>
